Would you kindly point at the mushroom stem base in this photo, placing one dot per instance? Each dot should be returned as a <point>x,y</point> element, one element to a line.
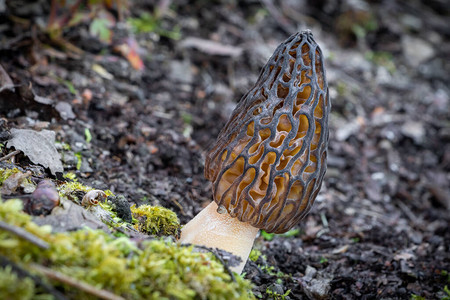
<point>214,230</point>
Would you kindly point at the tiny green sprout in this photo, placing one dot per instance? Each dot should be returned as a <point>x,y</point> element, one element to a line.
<point>291,233</point>
<point>267,236</point>
<point>68,84</point>
<point>416,297</point>
<point>445,273</point>
<point>151,23</point>
<point>254,255</point>
<point>270,236</point>
<point>276,296</point>
<point>79,160</point>
<point>87,134</point>
<point>323,260</point>
<point>355,240</point>
<point>66,146</point>
<point>269,270</point>
<point>447,291</point>
<point>156,220</point>
<point>186,117</point>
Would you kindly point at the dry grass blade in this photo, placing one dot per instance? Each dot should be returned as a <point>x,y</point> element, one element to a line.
<point>55,275</point>
<point>8,156</point>
<point>24,234</point>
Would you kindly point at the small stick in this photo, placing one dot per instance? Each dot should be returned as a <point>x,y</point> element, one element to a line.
<point>7,156</point>
<point>24,234</point>
<point>85,287</point>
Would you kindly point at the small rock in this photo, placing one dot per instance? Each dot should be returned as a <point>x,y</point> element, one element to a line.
<point>411,22</point>
<point>309,273</point>
<point>44,198</point>
<point>347,129</point>
<point>65,110</point>
<point>416,50</point>
<point>180,71</point>
<point>2,6</point>
<point>383,76</point>
<point>414,130</point>
<point>121,207</point>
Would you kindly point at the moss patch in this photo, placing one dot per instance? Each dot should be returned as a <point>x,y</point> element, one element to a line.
<point>13,287</point>
<point>5,173</point>
<point>156,269</point>
<point>156,220</point>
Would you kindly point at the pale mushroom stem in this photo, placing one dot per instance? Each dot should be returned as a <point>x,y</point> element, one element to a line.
<point>214,230</point>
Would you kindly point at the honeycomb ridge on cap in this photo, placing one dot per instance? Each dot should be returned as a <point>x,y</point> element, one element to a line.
<point>268,162</point>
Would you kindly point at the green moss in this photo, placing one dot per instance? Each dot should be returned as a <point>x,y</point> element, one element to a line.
<point>12,287</point>
<point>254,255</point>
<point>156,270</point>
<point>5,173</point>
<point>70,176</point>
<point>155,220</point>
<point>69,190</point>
<point>108,193</point>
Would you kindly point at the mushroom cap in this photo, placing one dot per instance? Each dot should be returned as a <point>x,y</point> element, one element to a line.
<point>269,160</point>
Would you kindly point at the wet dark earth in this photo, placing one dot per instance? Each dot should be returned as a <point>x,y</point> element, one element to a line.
<point>380,225</point>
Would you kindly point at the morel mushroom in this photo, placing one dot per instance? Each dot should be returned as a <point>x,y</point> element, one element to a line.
<point>269,160</point>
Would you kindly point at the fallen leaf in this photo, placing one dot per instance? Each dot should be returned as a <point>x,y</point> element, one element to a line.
<point>39,146</point>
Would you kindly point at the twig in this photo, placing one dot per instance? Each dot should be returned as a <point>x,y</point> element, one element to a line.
<point>7,156</point>
<point>58,276</point>
<point>24,234</point>
<point>38,281</point>
<point>51,18</point>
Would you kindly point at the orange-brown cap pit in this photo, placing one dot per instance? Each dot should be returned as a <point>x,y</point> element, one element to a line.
<point>269,160</point>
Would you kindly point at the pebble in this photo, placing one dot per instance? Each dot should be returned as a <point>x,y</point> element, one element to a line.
<point>414,130</point>
<point>416,50</point>
<point>181,71</point>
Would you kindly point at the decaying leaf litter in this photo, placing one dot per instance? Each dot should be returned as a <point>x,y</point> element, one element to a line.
<point>380,224</point>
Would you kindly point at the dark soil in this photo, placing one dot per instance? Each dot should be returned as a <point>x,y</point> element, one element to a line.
<point>380,225</point>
